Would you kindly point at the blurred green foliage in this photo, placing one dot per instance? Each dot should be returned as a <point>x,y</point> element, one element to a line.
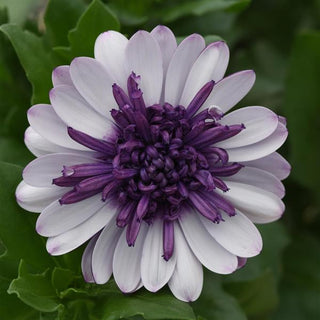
<point>280,40</point>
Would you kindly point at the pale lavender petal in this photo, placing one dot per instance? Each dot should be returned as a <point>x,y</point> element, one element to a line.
<point>61,75</point>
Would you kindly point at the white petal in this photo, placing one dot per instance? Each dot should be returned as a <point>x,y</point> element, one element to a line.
<point>237,234</point>
<point>210,65</point>
<point>230,90</point>
<point>75,237</point>
<point>167,43</point>
<point>76,113</point>
<point>187,279</point>
<point>261,148</point>
<point>35,199</point>
<point>258,178</point>
<point>155,271</point>
<point>94,84</point>
<point>273,163</point>
<point>144,59</point>
<point>258,205</point>
<point>40,146</point>
<point>127,261</point>
<point>86,261</point>
<point>208,251</point>
<point>61,75</point>
<point>46,122</point>
<point>41,171</point>
<point>102,257</point>
<point>259,123</point>
<point>56,218</point>
<point>109,49</point>
<point>180,66</point>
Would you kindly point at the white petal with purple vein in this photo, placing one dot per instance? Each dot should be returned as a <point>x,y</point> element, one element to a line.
<point>209,252</point>
<point>77,113</point>
<point>61,75</point>
<point>274,163</point>
<point>46,122</point>
<point>210,65</point>
<point>261,148</point>
<point>102,257</point>
<point>41,171</point>
<point>109,49</point>
<point>86,261</point>
<point>258,178</point>
<point>35,199</point>
<point>155,271</point>
<point>259,123</point>
<point>237,234</point>
<point>167,43</point>
<point>57,219</point>
<point>230,90</point>
<point>144,59</point>
<point>127,261</point>
<point>73,238</point>
<point>94,83</point>
<point>258,205</point>
<point>187,279</point>
<point>180,66</point>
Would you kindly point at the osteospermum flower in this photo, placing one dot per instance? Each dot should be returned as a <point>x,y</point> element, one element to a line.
<point>137,154</point>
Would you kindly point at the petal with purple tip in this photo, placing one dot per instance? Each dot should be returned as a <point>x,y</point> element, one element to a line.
<point>61,75</point>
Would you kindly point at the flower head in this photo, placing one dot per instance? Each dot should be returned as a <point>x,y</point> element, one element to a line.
<point>137,154</point>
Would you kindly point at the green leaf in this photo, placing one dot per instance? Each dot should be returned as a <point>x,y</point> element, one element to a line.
<point>60,17</point>
<point>201,7</point>
<point>17,228</point>
<point>35,290</point>
<point>302,109</point>
<point>215,303</point>
<point>61,278</point>
<point>300,287</point>
<point>148,305</point>
<point>257,297</point>
<point>34,59</point>
<point>95,20</point>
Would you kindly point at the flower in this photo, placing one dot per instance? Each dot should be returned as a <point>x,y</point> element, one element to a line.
<point>136,154</point>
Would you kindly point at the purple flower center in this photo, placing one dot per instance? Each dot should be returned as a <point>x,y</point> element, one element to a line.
<point>161,160</point>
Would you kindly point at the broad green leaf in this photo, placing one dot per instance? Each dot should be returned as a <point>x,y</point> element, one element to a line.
<point>148,305</point>
<point>34,58</point>
<point>257,297</point>
<point>17,227</point>
<point>215,303</point>
<point>35,290</point>
<point>302,103</point>
<point>60,17</point>
<point>61,278</point>
<point>201,7</point>
<point>95,20</point>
